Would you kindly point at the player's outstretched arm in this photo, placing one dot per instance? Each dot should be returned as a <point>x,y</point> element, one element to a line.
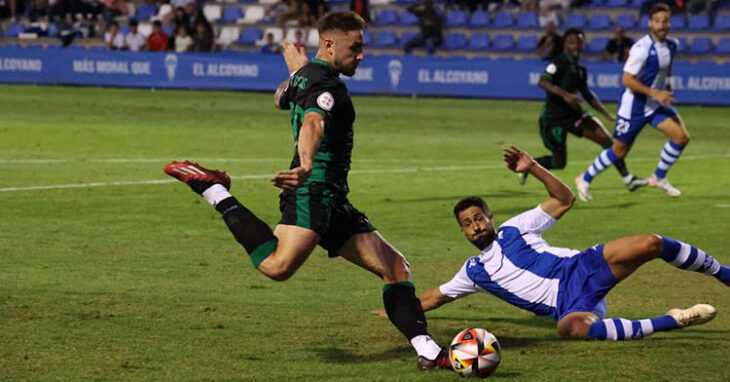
<point>561,197</point>
<point>596,104</point>
<point>571,99</point>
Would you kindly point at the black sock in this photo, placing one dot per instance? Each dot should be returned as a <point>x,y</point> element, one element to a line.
<point>547,161</point>
<point>621,167</point>
<point>404,309</point>
<point>255,235</point>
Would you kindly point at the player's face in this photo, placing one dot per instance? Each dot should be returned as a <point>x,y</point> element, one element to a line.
<point>348,52</point>
<point>477,227</point>
<point>659,25</point>
<point>574,45</point>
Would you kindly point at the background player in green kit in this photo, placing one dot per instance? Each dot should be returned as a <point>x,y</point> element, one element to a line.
<point>313,201</point>
<point>562,112</point>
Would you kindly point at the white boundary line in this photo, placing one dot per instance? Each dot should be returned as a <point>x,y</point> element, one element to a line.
<point>354,172</point>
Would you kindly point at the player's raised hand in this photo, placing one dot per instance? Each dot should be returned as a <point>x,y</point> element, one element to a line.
<point>517,160</point>
<point>290,179</point>
<point>295,59</point>
<point>664,97</point>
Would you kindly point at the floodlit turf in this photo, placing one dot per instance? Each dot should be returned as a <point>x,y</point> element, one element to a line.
<point>141,281</point>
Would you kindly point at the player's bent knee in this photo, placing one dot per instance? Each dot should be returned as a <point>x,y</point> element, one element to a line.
<point>653,244</point>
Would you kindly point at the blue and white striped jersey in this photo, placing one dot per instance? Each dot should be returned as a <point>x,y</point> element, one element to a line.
<point>651,63</point>
<point>519,267</point>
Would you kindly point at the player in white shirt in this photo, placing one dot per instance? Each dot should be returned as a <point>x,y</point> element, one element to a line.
<point>517,265</point>
<point>646,99</point>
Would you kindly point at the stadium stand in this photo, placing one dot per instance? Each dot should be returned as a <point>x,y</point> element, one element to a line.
<point>241,25</point>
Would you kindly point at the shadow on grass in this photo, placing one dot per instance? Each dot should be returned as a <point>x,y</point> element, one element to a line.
<point>533,322</point>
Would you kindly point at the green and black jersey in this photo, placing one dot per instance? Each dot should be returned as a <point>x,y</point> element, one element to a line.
<point>565,73</point>
<point>317,88</point>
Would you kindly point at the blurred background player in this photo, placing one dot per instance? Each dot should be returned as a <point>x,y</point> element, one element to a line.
<point>518,266</point>
<point>563,113</point>
<point>314,205</point>
<point>647,99</point>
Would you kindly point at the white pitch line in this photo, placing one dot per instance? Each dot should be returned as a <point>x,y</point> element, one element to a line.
<point>491,166</point>
<point>722,205</point>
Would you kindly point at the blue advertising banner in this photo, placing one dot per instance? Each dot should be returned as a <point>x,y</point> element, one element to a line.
<point>702,83</point>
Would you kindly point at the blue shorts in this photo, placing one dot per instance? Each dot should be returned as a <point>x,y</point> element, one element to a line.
<point>627,130</point>
<point>585,282</point>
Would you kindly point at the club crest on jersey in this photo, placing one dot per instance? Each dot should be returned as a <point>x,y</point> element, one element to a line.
<point>326,101</point>
<point>551,69</point>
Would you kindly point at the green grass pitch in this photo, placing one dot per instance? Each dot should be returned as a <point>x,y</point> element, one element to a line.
<point>115,273</point>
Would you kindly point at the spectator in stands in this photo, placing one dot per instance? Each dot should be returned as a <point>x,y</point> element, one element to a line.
<point>298,43</point>
<point>134,40</point>
<point>316,9</point>
<point>114,8</point>
<point>181,3</point>
<point>430,23</point>
<point>551,44</point>
<point>183,41</point>
<point>287,10</point>
<point>112,38</point>
<point>362,8</point>
<point>180,19</point>
<point>617,48</point>
<point>194,16</point>
<point>157,40</point>
<point>271,46</point>
<point>203,39</point>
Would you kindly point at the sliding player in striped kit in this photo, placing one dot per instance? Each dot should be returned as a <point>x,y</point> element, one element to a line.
<point>647,99</point>
<point>517,265</point>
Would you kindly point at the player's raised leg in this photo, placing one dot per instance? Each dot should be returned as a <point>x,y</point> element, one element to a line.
<point>594,130</point>
<point>675,129</point>
<point>277,256</point>
<point>372,252</point>
<point>626,255</point>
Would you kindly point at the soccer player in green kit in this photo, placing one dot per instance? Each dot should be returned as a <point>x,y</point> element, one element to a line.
<point>562,112</point>
<point>313,201</point>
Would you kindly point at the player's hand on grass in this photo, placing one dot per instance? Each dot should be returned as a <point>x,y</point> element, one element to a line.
<point>664,97</point>
<point>379,312</point>
<point>291,179</point>
<point>517,160</point>
<point>295,59</point>
<point>572,100</point>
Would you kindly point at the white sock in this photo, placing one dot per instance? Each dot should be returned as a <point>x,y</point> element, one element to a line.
<point>215,194</point>
<point>426,347</point>
<point>628,178</point>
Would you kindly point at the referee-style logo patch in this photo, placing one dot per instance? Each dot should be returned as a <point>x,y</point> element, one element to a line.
<point>551,69</point>
<point>326,101</point>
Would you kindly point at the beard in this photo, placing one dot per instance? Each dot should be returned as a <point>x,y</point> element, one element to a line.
<point>484,241</point>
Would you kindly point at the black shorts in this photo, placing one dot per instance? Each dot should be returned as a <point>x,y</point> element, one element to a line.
<point>326,212</point>
<point>555,131</point>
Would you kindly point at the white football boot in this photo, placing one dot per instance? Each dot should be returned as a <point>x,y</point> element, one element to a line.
<point>664,184</point>
<point>696,315</point>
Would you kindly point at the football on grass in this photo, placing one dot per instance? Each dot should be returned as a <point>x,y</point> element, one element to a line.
<point>475,352</point>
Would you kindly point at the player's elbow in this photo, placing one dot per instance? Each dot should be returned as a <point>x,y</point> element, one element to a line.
<point>569,200</point>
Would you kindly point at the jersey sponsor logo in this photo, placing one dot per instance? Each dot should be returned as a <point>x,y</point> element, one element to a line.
<point>326,101</point>
<point>551,69</point>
